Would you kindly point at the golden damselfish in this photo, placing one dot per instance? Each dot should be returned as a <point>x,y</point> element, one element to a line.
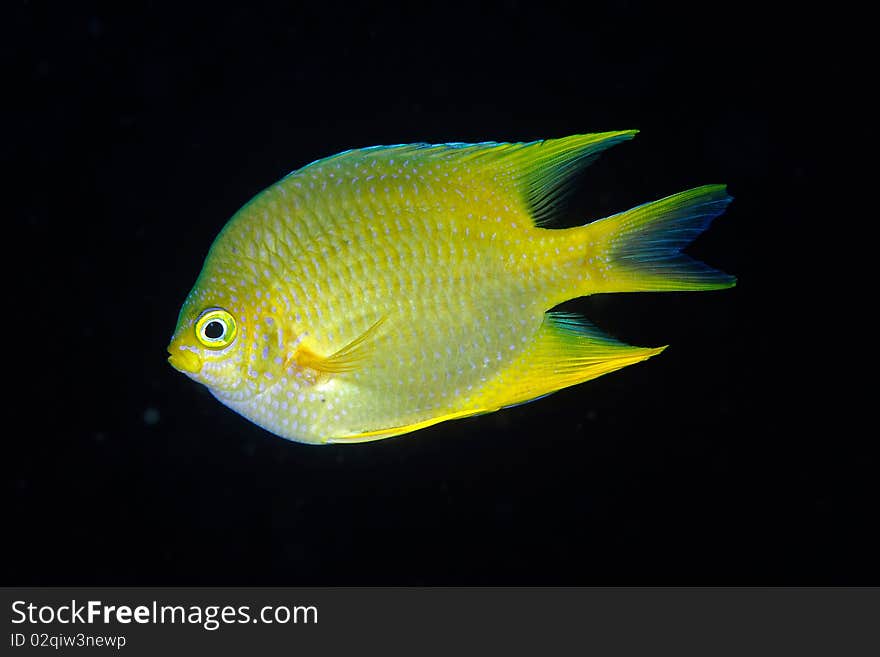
<point>386,289</point>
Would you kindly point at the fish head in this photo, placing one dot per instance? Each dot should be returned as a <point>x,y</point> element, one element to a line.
<point>235,332</point>
<point>228,343</point>
<point>208,343</point>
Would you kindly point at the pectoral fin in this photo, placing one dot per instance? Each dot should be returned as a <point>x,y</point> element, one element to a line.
<point>348,359</point>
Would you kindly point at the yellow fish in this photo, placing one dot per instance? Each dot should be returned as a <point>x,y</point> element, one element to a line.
<point>385,289</point>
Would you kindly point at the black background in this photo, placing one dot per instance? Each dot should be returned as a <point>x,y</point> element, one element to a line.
<point>136,130</point>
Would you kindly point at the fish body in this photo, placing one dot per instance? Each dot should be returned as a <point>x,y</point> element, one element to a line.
<point>386,289</point>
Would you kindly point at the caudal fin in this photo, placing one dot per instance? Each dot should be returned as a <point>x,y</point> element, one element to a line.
<point>640,250</point>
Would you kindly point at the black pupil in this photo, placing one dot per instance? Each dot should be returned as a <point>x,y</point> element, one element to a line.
<point>213,330</point>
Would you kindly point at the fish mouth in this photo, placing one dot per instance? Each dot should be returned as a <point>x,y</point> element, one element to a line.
<point>184,360</point>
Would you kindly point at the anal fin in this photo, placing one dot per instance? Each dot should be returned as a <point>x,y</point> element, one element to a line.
<point>367,436</point>
<point>566,351</point>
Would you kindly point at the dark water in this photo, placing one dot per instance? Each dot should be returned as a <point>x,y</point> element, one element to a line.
<point>137,132</point>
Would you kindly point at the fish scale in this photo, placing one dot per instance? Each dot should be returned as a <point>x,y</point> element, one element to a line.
<point>386,289</point>
<point>385,387</point>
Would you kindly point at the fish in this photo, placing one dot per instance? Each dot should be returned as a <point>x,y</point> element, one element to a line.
<point>386,289</point>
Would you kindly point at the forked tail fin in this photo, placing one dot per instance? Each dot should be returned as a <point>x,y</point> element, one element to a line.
<point>640,250</point>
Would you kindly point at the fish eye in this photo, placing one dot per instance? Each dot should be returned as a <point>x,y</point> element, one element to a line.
<point>215,328</point>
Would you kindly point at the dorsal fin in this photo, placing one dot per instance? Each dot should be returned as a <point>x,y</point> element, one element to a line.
<point>538,174</point>
<point>545,171</point>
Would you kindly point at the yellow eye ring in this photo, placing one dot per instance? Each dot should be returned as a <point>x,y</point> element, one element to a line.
<point>215,328</point>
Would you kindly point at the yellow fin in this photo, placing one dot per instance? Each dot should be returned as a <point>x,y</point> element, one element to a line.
<point>641,249</point>
<point>546,171</point>
<point>347,359</point>
<point>538,174</point>
<point>367,436</point>
<point>567,350</point>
